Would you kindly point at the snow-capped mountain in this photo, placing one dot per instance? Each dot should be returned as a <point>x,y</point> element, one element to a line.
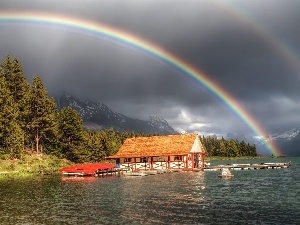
<point>288,141</point>
<point>284,136</point>
<point>160,123</point>
<point>97,116</point>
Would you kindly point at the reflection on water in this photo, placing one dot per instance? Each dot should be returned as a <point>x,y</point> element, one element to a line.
<point>251,197</point>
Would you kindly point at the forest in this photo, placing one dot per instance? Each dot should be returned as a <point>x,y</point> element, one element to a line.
<point>30,122</point>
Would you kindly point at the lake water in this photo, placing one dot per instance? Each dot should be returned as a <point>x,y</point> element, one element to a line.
<point>250,197</point>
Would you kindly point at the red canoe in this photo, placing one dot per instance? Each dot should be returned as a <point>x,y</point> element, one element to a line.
<point>88,169</point>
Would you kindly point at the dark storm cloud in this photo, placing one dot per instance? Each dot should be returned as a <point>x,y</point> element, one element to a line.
<point>207,34</point>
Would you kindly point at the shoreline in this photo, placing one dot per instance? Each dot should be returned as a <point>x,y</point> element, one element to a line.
<point>46,165</point>
<point>32,165</point>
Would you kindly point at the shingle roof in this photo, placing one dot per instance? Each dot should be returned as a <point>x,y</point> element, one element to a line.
<point>156,146</point>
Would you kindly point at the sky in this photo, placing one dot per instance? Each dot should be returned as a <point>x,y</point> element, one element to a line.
<point>250,49</point>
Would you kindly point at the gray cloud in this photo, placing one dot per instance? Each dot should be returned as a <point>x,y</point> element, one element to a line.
<point>209,35</point>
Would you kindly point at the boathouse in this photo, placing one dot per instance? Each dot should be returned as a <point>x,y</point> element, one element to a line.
<point>184,152</point>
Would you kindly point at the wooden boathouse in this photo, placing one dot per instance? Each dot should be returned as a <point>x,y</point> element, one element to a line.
<point>171,152</point>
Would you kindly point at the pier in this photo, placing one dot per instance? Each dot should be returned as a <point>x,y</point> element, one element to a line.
<point>248,166</point>
<point>105,169</point>
<point>149,172</point>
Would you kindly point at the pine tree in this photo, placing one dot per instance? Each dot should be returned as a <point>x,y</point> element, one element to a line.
<point>6,69</point>
<point>42,124</point>
<point>15,79</point>
<point>94,147</point>
<point>19,88</point>
<point>11,135</point>
<point>14,141</point>
<point>243,148</point>
<point>234,148</point>
<point>5,109</point>
<point>223,150</point>
<point>114,141</point>
<point>71,132</point>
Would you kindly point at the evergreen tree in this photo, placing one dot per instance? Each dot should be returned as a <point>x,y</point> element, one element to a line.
<point>222,149</point>
<point>95,146</point>
<point>16,81</point>
<point>71,132</point>
<point>232,148</point>
<point>243,148</point>
<point>113,141</point>
<point>19,88</point>
<point>42,123</point>
<point>6,69</point>
<point>14,141</point>
<point>11,135</point>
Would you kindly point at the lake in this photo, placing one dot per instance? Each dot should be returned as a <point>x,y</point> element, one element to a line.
<point>250,197</point>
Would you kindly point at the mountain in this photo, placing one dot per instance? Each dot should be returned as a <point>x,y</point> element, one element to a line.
<point>97,116</point>
<point>287,141</point>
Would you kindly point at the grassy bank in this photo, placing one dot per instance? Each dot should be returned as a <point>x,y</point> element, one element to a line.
<point>34,164</point>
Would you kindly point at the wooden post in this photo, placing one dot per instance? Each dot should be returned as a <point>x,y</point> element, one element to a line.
<point>151,163</point>
<point>193,162</point>
<point>187,161</point>
<point>37,142</point>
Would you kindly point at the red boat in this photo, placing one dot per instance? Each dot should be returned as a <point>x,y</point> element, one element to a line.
<point>91,169</point>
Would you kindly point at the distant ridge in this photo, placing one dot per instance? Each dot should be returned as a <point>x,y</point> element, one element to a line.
<point>288,141</point>
<point>97,116</point>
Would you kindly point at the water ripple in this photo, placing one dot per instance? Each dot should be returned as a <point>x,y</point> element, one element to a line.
<point>251,197</point>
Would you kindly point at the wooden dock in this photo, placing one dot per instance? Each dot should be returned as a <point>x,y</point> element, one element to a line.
<point>248,166</point>
<point>212,168</point>
<point>90,169</point>
<point>101,170</point>
<point>149,172</point>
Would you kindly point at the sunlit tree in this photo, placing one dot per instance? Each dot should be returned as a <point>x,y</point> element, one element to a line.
<point>42,123</point>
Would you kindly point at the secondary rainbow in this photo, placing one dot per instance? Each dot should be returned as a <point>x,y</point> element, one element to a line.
<point>142,45</point>
<point>286,52</point>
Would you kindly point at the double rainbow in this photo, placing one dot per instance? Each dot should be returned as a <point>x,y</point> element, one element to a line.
<point>125,38</point>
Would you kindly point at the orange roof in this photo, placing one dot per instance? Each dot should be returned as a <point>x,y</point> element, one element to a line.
<point>157,146</point>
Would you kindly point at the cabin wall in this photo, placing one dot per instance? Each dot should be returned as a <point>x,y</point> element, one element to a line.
<point>177,165</point>
<point>190,161</point>
<point>160,165</point>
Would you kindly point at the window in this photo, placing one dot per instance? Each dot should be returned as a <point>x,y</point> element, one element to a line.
<point>127,160</point>
<point>178,158</point>
<point>144,159</point>
<point>161,159</point>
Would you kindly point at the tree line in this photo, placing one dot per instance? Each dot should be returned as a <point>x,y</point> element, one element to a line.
<point>31,122</point>
<point>227,148</point>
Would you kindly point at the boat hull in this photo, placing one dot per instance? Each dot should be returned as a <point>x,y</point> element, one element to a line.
<point>88,169</point>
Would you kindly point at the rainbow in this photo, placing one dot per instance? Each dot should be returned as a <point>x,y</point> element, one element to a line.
<point>287,54</point>
<point>127,39</point>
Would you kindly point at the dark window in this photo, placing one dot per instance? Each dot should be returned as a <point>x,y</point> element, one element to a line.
<point>144,159</point>
<point>179,158</point>
<point>160,159</point>
<point>127,159</point>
